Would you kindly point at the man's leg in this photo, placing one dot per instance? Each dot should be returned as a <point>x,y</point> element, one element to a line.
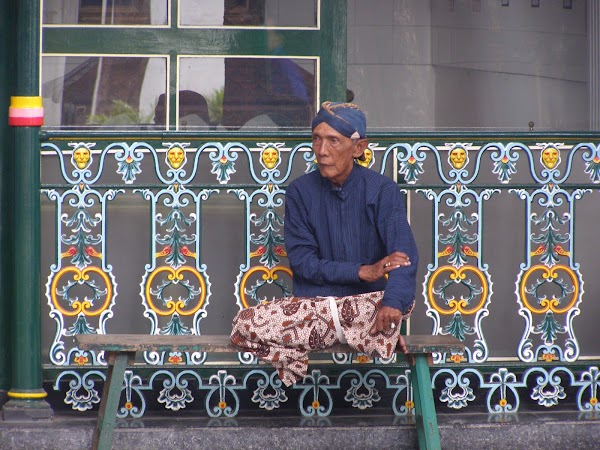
<point>283,331</point>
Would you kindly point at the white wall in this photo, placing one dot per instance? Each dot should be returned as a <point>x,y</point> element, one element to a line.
<point>389,62</point>
<point>469,64</point>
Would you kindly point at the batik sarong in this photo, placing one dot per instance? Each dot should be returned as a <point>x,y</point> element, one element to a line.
<point>283,331</point>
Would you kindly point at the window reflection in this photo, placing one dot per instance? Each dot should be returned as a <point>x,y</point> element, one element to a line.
<point>259,92</point>
<point>129,92</point>
<point>193,110</point>
<point>248,13</point>
<point>105,12</point>
<point>89,92</point>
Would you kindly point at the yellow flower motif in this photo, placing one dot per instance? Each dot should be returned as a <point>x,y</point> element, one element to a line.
<point>549,357</point>
<point>223,160</point>
<point>81,360</point>
<point>222,405</point>
<point>363,359</point>
<point>175,359</point>
<point>412,160</point>
<point>409,404</point>
<point>316,404</point>
<point>503,402</point>
<point>128,405</point>
<point>593,401</point>
<point>457,358</point>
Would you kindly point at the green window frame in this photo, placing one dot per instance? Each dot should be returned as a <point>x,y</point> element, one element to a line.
<point>326,43</point>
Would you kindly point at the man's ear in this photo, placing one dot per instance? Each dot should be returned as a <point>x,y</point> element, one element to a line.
<point>359,148</point>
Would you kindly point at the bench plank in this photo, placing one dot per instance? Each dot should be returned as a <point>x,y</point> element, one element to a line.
<point>222,344</point>
<point>121,349</point>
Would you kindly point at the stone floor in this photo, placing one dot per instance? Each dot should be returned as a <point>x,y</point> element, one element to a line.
<point>525,430</point>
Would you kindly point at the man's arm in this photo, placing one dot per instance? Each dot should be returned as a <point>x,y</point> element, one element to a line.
<point>373,272</point>
<point>302,248</point>
<point>393,226</point>
<point>387,315</point>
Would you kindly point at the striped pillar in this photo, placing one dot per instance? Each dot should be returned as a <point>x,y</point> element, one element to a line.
<point>25,115</point>
<point>26,112</point>
<point>6,62</point>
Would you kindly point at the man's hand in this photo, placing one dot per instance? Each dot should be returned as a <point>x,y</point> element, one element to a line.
<point>374,272</point>
<point>386,316</point>
<point>410,359</point>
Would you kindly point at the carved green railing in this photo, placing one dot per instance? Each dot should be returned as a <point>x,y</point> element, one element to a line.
<point>464,233</point>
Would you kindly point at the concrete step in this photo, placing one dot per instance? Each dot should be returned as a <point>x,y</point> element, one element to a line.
<point>177,431</point>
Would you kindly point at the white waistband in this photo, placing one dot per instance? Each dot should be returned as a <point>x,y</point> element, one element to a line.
<point>336,321</point>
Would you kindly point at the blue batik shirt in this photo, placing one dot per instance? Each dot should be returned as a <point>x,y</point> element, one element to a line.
<point>330,232</point>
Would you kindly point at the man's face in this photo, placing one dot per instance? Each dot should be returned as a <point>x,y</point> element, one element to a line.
<point>335,153</point>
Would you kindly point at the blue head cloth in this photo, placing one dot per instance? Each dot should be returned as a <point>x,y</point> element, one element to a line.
<point>346,118</point>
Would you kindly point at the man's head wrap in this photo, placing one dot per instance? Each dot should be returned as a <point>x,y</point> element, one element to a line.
<point>345,118</point>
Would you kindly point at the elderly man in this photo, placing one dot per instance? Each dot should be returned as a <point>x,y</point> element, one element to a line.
<point>345,230</point>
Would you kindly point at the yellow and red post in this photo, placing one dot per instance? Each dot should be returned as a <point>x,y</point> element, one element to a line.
<point>26,397</point>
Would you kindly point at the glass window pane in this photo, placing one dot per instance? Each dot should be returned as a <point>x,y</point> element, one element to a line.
<point>442,65</point>
<point>105,12</point>
<point>248,13</point>
<point>96,92</point>
<point>259,92</point>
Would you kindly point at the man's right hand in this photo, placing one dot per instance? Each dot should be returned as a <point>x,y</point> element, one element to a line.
<point>374,272</point>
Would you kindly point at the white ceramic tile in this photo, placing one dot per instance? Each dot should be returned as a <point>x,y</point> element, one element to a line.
<point>526,52</point>
<point>350,46</point>
<point>557,97</point>
<point>441,45</point>
<point>394,97</point>
<point>350,11</point>
<point>468,98</point>
<point>519,15</point>
<point>412,12</point>
<point>412,45</point>
<point>500,67</point>
<point>373,45</point>
<point>374,12</point>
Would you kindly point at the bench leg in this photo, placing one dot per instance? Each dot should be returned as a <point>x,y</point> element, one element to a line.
<point>107,415</point>
<point>427,428</point>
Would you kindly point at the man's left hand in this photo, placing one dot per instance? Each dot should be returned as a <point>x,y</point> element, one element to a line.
<point>386,316</point>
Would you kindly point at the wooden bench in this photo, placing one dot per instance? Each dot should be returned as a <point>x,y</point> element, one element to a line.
<point>120,350</point>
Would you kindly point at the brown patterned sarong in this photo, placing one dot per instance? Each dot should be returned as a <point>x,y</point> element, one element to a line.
<point>283,331</point>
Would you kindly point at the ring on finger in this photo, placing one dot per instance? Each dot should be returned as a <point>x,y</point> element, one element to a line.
<point>387,264</point>
<point>392,325</point>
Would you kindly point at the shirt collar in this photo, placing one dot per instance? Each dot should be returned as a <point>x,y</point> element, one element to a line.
<point>350,181</point>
